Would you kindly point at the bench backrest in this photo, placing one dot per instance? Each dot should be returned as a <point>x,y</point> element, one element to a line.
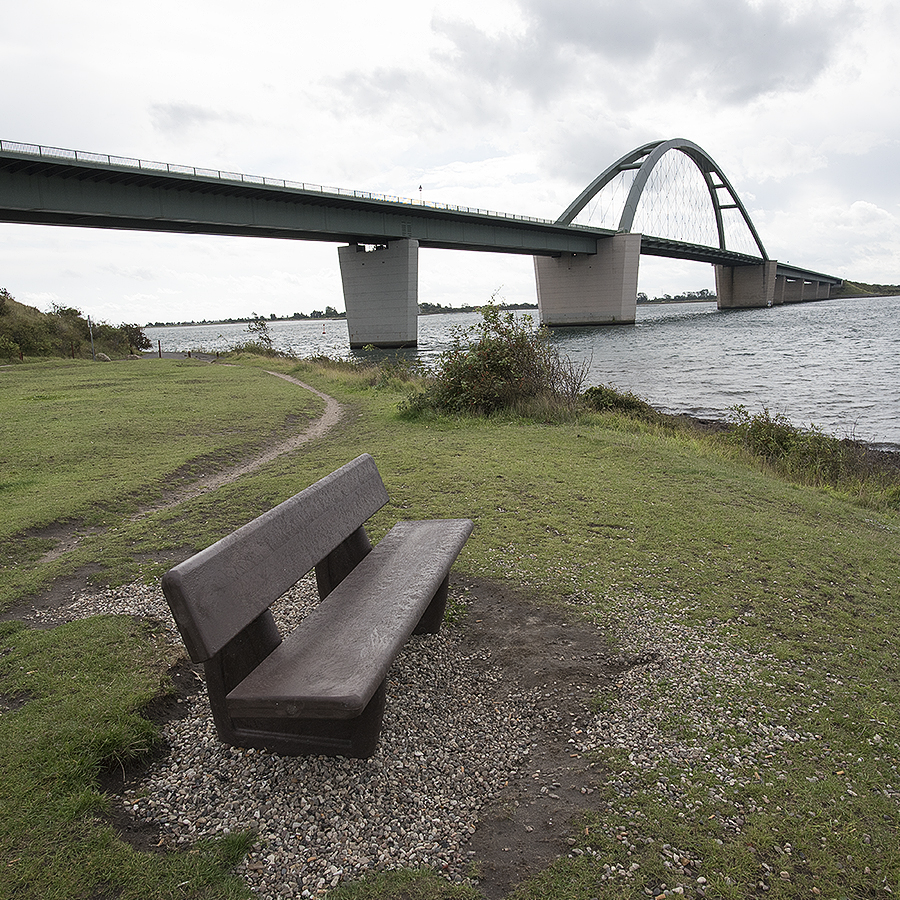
<point>215,594</point>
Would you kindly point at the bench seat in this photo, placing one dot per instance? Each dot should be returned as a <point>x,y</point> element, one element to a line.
<point>332,666</point>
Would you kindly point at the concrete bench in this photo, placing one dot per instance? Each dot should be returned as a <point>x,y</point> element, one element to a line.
<point>321,688</point>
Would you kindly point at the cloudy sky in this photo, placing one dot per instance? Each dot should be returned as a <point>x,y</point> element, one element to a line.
<point>511,105</point>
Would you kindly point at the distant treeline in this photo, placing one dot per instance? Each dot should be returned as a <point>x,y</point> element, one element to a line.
<point>328,313</point>
<point>64,331</point>
<point>427,309</point>
<point>687,297</point>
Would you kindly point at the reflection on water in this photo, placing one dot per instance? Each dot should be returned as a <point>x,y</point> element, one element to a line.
<point>834,363</point>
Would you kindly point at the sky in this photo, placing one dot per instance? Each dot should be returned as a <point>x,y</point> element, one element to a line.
<point>511,105</point>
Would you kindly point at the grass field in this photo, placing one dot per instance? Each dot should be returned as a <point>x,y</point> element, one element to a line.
<point>85,446</point>
<point>583,512</point>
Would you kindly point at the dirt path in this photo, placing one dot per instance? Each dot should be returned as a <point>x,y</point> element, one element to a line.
<point>68,538</point>
<point>328,419</point>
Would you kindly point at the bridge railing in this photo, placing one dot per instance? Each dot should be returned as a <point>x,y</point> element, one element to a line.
<point>57,153</point>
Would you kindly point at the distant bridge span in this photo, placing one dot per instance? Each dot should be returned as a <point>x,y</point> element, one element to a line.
<point>586,275</point>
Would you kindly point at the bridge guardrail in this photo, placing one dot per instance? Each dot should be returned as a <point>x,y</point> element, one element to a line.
<point>57,153</point>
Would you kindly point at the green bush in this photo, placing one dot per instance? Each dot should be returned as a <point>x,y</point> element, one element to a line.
<point>607,399</point>
<point>9,349</point>
<point>64,331</point>
<point>33,337</point>
<point>501,363</point>
<point>810,456</point>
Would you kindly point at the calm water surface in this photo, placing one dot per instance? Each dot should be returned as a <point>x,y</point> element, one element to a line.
<point>834,364</point>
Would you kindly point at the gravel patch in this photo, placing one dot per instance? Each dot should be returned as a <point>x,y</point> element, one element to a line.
<point>491,749</point>
<point>447,749</point>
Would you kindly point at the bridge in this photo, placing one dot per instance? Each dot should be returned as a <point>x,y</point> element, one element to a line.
<point>667,198</point>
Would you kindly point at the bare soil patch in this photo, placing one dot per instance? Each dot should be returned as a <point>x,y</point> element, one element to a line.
<point>121,776</point>
<point>565,660</point>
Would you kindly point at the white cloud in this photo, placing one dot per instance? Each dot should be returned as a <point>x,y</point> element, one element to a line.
<point>513,106</point>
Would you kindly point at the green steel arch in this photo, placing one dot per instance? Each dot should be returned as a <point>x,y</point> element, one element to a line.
<point>644,159</point>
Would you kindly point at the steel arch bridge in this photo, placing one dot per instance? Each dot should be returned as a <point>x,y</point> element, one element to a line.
<point>745,275</point>
<point>641,164</point>
<point>586,274</point>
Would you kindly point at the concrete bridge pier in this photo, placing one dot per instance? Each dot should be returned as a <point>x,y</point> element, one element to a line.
<point>798,290</point>
<point>381,293</point>
<point>590,289</point>
<point>746,287</point>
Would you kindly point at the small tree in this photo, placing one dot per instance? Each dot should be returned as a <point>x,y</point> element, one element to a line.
<point>259,329</point>
<point>135,337</point>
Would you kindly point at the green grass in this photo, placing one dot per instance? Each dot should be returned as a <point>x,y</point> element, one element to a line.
<point>589,511</point>
<point>84,444</point>
<point>80,687</point>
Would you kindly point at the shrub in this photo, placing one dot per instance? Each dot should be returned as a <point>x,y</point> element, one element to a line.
<point>31,336</point>
<point>135,337</point>
<point>607,399</point>
<point>64,331</point>
<point>259,331</point>
<point>813,457</point>
<point>501,363</point>
<point>9,349</point>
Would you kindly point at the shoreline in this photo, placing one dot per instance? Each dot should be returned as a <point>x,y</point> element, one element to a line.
<point>886,454</point>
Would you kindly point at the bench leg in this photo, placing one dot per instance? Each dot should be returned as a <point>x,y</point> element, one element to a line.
<point>307,737</point>
<point>430,623</point>
<point>367,726</point>
<point>233,663</point>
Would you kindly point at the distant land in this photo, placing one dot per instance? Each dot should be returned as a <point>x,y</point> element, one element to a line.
<point>860,289</point>
<point>847,289</point>
<point>425,309</point>
<point>701,296</point>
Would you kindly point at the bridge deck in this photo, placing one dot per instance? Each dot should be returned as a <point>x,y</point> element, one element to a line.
<point>50,186</point>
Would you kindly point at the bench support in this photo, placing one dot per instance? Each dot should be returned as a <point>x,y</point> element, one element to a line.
<point>332,570</point>
<point>357,737</point>
<point>430,623</point>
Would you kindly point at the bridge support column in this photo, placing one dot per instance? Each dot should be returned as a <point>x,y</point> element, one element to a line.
<point>587,289</point>
<point>780,288</point>
<point>746,287</point>
<point>381,294</point>
<point>795,291</point>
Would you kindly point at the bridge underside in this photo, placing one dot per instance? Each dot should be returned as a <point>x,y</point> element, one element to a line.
<point>381,290</point>
<point>769,284</point>
<point>573,289</point>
